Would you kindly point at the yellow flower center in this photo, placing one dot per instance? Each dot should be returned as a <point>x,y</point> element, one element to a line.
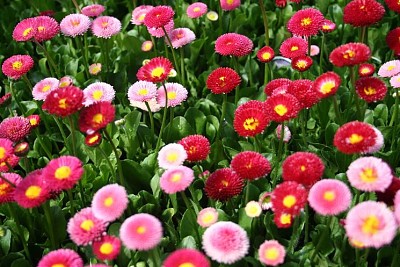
<point>157,72</point>
<point>108,201</point>
<point>27,31</point>
<point>41,28</point>
<point>58,265</point>
<point>355,139</point>
<point>87,225</point>
<point>356,243</point>
<point>329,195</point>
<point>368,175</point>
<point>186,264</point>
<point>106,248</point>
<point>98,118</point>
<point>192,150</point>
<point>17,65</point>
<point>62,103</point>
<point>141,230</point>
<point>171,157</point>
<point>148,46</point>
<point>294,48</point>
<point>280,109</point>
<point>229,2</point>
<point>370,225</point>
<point>171,95</point>
<point>224,183</point>
<point>196,9</point>
<point>326,27</point>
<point>369,90</point>
<point>97,94</point>
<point>266,55</point>
<point>3,188</point>
<point>46,88</point>
<point>327,87</point>
<point>285,218</point>
<point>93,139</point>
<point>306,21</point>
<point>302,168</point>
<point>289,201</point>
<point>391,67</point>
<point>143,91</point>
<point>141,17</point>
<point>62,172</point>
<point>33,121</point>
<point>104,24</point>
<point>251,124</point>
<point>176,177</point>
<point>271,254</point>
<point>33,191</point>
<point>208,218</point>
<point>364,70</point>
<point>349,54</point>
<point>2,152</point>
<point>75,23</point>
<point>301,64</point>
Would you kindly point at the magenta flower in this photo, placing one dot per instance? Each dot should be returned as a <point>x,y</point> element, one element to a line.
<point>63,173</point>
<point>110,202</point>
<point>176,179</point>
<point>271,253</point>
<point>61,257</point>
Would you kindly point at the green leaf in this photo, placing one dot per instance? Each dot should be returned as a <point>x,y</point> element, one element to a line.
<point>59,224</point>
<point>381,111</point>
<point>132,121</point>
<point>196,119</point>
<point>244,220</point>
<point>188,242</point>
<point>137,178</point>
<point>177,129</point>
<point>5,241</point>
<point>330,133</point>
<point>21,263</point>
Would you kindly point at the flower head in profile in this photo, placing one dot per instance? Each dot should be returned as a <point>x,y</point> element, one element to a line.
<point>223,184</point>
<point>176,94</point>
<point>196,10</point>
<point>16,66</point>
<point>176,179</point>
<point>43,88</point>
<point>293,47</point>
<point>289,197</point>
<point>15,128</point>
<point>186,257</point>
<point>171,155</point>
<point>371,224</point>
<point>329,197</point>
<point>212,15</point>
<point>63,101</point>
<point>366,70</point>
<point>98,92</point>
<point>286,133</point>
<point>388,195</point>
<point>94,10</point>
<point>328,26</point>
<point>314,50</point>
<point>180,37</point>
<point>282,107</point>
<point>225,242</point>
<point>159,32</point>
<point>207,217</point>
<point>110,202</point>
<point>228,5</point>
<point>141,232</point>
<point>65,82</point>
<point>223,80</point>
<point>389,69</point>
<point>139,13</point>
<point>306,22</point>
<point>5,100</point>
<point>369,174</point>
<point>25,30</point>
<point>253,209</point>
<point>233,44</point>
<point>371,89</point>
<point>46,28</point>
<point>152,104</point>
<point>34,120</point>
<point>350,54</point>
<point>32,191</point>
<point>93,139</point>
<point>6,189</point>
<point>271,253</point>
<point>61,257</point>
<point>75,24</point>
<point>63,173</point>
<point>107,248</point>
<point>197,147</point>
<point>359,13</point>
<point>21,149</point>
<point>250,165</point>
<point>95,68</point>
<point>96,117</point>
<point>158,16</point>
<point>156,70</point>
<point>265,54</point>
<point>105,26</point>
<point>250,118</point>
<point>275,84</point>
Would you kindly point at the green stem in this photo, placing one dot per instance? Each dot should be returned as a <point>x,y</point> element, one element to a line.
<point>295,234</point>
<point>337,110</point>
<point>321,53</point>
<point>14,95</point>
<point>84,55</point>
<point>364,33</point>
<point>236,66</point>
<point>47,214</point>
<point>246,199</point>
<point>163,119</point>
<point>49,59</point>
<point>265,20</point>
<point>279,155</point>
<point>119,165</point>
<point>173,55</point>
<point>76,6</point>
<point>71,201</point>
<point>182,66</point>
<point>353,83</point>
<point>394,118</point>
<point>43,146</point>
<point>60,127</point>
<point>151,120</point>
<point>200,170</point>
<point>194,217</point>
<point>223,113</point>
<point>306,224</point>
<point>396,255</point>
<point>155,258</point>
<point>303,123</point>
<point>71,124</point>
<point>103,153</point>
<point>266,72</point>
<point>324,235</point>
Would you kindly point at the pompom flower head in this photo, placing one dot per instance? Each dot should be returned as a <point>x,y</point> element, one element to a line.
<point>303,91</point>
<point>61,257</point>
<point>176,94</point>
<point>223,80</point>
<point>225,242</point>
<point>139,13</point>
<point>171,155</point>
<point>75,24</point>
<point>96,117</point>
<point>265,54</point>
<point>389,69</point>
<point>350,54</point>
<point>293,47</point>
<point>282,107</point>
<point>105,26</point>
<point>250,165</point>
<point>250,118</point>
<point>158,16</point>
<point>15,128</point>
<point>43,88</point>
<point>142,91</point>
<point>25,30</point>
<point>196,10</point>
<point>289,197</point>
<point>233,44</point>
<point>275,84</point>
<point>6,189</point>
<point>47,28</point>
<point>156,70</point>
<point>223,184</point>
<point>371,89</point>
<point>327,84</point>
<point>186,257</point>
<point>141,232</point>
<point>64,101</point>
<point>16,66</point>
<point>197,147</point>
<point>94,10</point>
<point>180,37</point>
<point>228,5</point>
<point>207,217</point>
<point>98,92</point>
<point>359,13</point>
<point>110,202</point>
<point>32,191</point>
<point>176,179</point>
<point>107,248</point>
<point>306,22</point>
<point>271,253</point>
<point>392,40</point>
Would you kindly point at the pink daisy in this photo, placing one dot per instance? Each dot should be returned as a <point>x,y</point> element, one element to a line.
<point>329,197</point>
<point>395,81</point>
<point>158,16</point>
<point>389,69</point>
<point>294,47</point>
<point>12,161</point>
<point>141,231</point>
<point>371,224</point>
<point>176,94</point>
<point>32,191</point>
<point>271,253</point>
<point>186,257</point>
<point>225,242</point>
<point>15,128</point>
<point>159,32</point>
<point>139,13</point>
<point>207,217</point>
<point>95,68</point>
<point>228,5</point>
<point>93,10</point>
<point>369,174</point>
<point>286,133</point>
<point>306,22</point>
<point>196,10</point>
<point>98,92</point>
<point>61,257</point>
<point>314,50</point>
<point>110,202</point>
<point>16,66</point>
<point>7,190</point>
<point>25,30</point>
<point>75,24</point>
<point>63,173</point>
<point>146,46</point>
<point>180,37</point>
<point>142,91</point>
<point>65,82</point>
<point>176,179</point>
<point>105,26</point>
<point>397,206</point>
<point>43,88</point>
<point>107,248</point>
<point>84,227</point>
<point>233,44</point>
<point>379,142</point>
<point>47,28</point>
<point>153,104</point>
<point>171,155</point>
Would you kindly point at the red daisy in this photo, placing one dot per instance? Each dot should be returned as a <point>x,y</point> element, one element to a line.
<point>294,47</point>
<point>265,54</point>
<point>250,165</point>
<point>283,219</point>
<point>371,89</point>
<point>16,66</point>
<point>276,83</point>
<point>355,137</point>
<point>306,22</point>
<point>158,16</point>
<point>34,120</point>
<point>388,195</point>
<point>289,197</point>
<point>303,167</point>
<point>156,70</point>
<point>186,257</point>
<point>393,40</point>
<point>7,190</point>
<point>197,147</point>
<point>282,107</point>
<point>93,139</point>
<point>280,3</point>
<point>327,84</point>
<point>96,117</point>
<point>366,69</point>
<point>328,26</point>
<point>223,184</point>
<point>233,44</point>
<point>350,54</point>
<point>46,28</point>
<point>15,128</point>
<point>223,80</point>
<point>64,101</point>
<point>303,91</point>
<point>250,118</point>
<point>12,161</point>
<point>107,248</point>
<point>302,63</point>
<point>32,191</point>
<point>360,13</point>
<point>6,149</point>
<point>393,5</point>
<point>25,30</point>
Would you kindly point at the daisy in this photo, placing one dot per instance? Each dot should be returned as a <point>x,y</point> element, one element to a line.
<point>176,94</point>
<point>304,93</point>
<point>369,174</point>
<point>15,128</point>
<point>265,54</point>
<point>158,16</point>
<point>286,133</point>
<point>207,217</point>
<point>250,165</point>
<point>212,15</point>
<point>228,5</point>
<point>186,257</point>
<point>328,26</point>
<point>21,149</point>
<point>197,147</point>
<point>93,139</point>
<point>250,118</point>
<point>16,66</point>
<point>43,88</point>
<point>153,104</point>
<point>371,89</point>
<point>171,155</point>
<point>6,149</point>
<point>327,84</point>
<point>282,107</point>
<point>75,24</point>
<point>392,40</point>
<point>223,80</point>
<point>371,223</point>
<point>275,84</point>
<point>293,47</point>
<point>253,209</point>
<point>93,10</point>
<point>156,70</point>
<point>225,242</point>
<point>146,46</point>
<point>303,167</point>
<point>314,50</point>
<point>271,253</point>
<point>389,69</point>
<point>142,91</point>
<point>366,70</point>
<point>329,197</point>
<point>196,10</point>
<point>25,30</point>
<point>306,22</point>
<point>107,248</point>
<point>63,173</point>
<point>110,202</point>
<point>176,179</point>
<point>359,13</point>
<point>223,184</point>
<point>283,219</point>
<point>159,32</point>
<point>98,92</point>
<point>5,100</point>
<point>61,257</point>
<point>96,117</point>
<point>301,63</point>
<point>9,163</point>
<point>47,28</point>
<point>289,197</point>
<point>32,191</point>
<point>395,81</point>
<point>141,232</point>
<point>95,68</point>
<point>139,13</point>
<point>350,54</point>
<point>6,189</point>
<point>105,26</point>
<point>233,44</point>
<point>63,101</point>
<point>65,82</point>
<point>393,5</point>
<point>180,37</point>
<point>265,200</point>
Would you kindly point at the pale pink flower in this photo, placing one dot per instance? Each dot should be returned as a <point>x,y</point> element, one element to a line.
<point>98,92</point>
<point>171,155</point>
<point>286,133</point>
<point>75,24</point>
<point>395,81</point>
<point>196,10</point>
<point>176,94</point>
<point>41,90</point>
<point>110,202</point>
<point>146,46</point>
<point>389,69</point>
<point>180,37</point>
<point>153,104</point>
<point>314,50</point>
<point>271,253</point>
<point>142,91</point>
<point>176,179</point>
<point>93,10</point>
<point>159,32</point>
<point>207,217</point>
<point>139,13</point>
<point>106,26</point>
<point>95,68</point>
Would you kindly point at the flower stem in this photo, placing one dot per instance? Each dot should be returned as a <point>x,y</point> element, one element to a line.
<point>155,258</point>
<point>163,119</point>
<point>49,59</point>
<point>223,113</point>
<point>246,199</point>
<point>108,162</point>
<point>182,65</point>
<point>353,83</point>
<point>71,201</point>
<point>76,6</point>
<point>279,155</point>
<point>14,95</point>
<point>71,124</point>
<point>151,120</point>
<point>320,241</point>
<point>295,235</point>
<point>191,210</point>
<point>265,20</point>
<point>119,165</point>
<point>173,55</point>
<point>47,214</point>
<point>321,53</point>
<point>236,66</point>
<point>337,110</point>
